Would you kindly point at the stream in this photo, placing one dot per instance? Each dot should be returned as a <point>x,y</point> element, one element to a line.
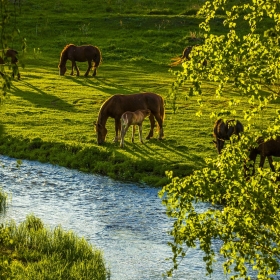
<point>125,220</point>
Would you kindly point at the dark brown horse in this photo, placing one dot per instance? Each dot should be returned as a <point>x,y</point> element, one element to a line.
<point>116,105</point>
<point>223,130</point>
<point>265,149</point>
<point>81,54</point>
<point>184,57</point>
<point>10,53</point>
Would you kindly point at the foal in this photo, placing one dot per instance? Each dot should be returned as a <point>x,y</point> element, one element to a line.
<point>133,118</point>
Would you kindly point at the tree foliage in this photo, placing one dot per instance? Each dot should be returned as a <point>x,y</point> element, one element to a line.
<point>243,210</point>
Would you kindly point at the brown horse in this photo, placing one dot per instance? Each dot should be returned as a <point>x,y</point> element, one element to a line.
<point>132,119</point>
<point>116,105</point>
<point>10,53</point>
<point>81,54</point>
<point>223,130</point>
<point>184,57</point>
<point>265,149</point>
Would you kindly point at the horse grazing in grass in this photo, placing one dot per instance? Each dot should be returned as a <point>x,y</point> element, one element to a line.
<point>10,53</point>
<point>81,54</point>
<point>116,105</point>
<point>223,130</point>
<point>184,57</point>
<point>265,149</point>
<point>133,118</point>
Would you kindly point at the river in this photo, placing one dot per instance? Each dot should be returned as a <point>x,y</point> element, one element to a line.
<point>125,220</point>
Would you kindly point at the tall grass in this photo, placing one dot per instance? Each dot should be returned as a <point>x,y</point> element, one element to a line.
<point>3,200</point>
<point>32,251</point>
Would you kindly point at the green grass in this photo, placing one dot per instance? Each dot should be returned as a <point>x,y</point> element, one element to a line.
<point>3,200</point>
<point>50,118</point>
<point>32,251</point>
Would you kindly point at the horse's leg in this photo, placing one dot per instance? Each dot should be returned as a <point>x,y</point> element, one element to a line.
<point>270,160</point>
<point>133,133</point>
<point>262,160</point>
<point>117,129</point>
<point>140,132</point>
<point>94,71</point>
<point>74,65</point>
<point>72,68</point>
<point>123,131</point>
<point>89,67</point>
<point>152,122</point>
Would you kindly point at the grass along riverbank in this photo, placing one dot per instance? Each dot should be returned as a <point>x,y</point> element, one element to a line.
<point>50,118</point>
<point>32,251</point>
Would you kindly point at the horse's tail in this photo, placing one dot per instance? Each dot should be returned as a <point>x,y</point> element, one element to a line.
<point>98,58</point>
<point>177,60</point>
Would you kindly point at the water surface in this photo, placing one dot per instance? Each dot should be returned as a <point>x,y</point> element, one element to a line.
<point>126,221</point>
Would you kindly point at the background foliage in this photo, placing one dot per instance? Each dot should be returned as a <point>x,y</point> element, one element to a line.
<point>245,210</point>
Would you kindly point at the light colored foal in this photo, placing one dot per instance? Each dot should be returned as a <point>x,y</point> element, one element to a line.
<point>133,118</point>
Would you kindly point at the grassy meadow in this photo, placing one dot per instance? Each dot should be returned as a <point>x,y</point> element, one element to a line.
<point>51,118</point>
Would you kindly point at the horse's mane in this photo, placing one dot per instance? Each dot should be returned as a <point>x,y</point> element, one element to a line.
<point>66,47</point>
<point>64,53</point>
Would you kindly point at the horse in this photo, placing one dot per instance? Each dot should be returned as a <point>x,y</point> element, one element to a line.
<point>223,131</point>
<point>74,53</point>
<point>133,118</point>
<point>10,53</point>
<point>265,149</point>
<point>117,104</point>
<point>185,57</point>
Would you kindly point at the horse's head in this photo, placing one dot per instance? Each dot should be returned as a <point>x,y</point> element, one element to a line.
<point>219,143</point>
<point>101,132</point>
<point>62,69</point>
<point>13,55</point>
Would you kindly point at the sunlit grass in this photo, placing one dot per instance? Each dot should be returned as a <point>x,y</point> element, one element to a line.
<point>50,118</point>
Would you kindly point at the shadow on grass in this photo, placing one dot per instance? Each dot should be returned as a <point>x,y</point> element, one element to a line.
<point>101,84</point>
<point>41,98</point>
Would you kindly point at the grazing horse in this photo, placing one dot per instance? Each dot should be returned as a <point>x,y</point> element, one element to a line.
<point>81,54</point>
<point>116,105</point>
<point>223,130</point>
<point>10,53</point>
<point>133,118</point>
<point>265,149</point>
<point>184,57</point>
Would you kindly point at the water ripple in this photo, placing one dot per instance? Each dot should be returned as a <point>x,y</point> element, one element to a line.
<point>126,221</point>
